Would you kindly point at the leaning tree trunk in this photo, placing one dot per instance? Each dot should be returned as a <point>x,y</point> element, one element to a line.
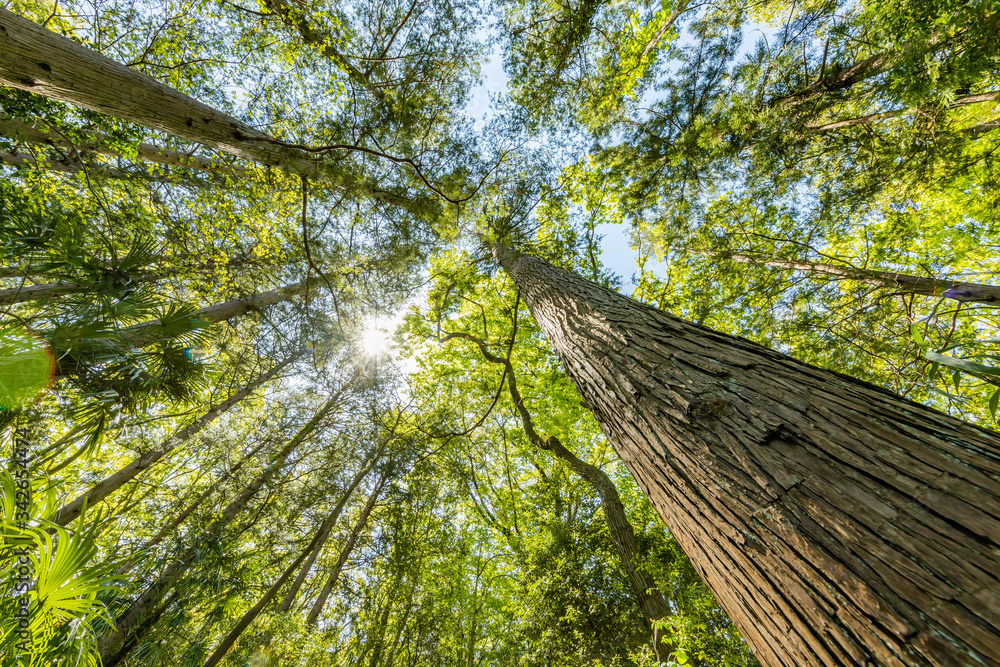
<point>345,553</point>
<point>251,614</point>
<point>948,289</point>
<point>293,591</point>
<point>113,482</point>
<point>172,525</point>
<point>39,61</point>
<point>147,333</point>
<point>836,523</point>
<point>102,145</point>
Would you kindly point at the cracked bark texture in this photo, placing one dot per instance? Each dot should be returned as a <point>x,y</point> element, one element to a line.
<point>836,523</point>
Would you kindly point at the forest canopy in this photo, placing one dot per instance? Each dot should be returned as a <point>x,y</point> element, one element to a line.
<point>316,344</point>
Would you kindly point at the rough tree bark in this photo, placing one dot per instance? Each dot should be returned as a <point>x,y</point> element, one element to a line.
<point>949,289</point>
<point>39,61</point>
<point>113,482</point>
<point>836,523</point>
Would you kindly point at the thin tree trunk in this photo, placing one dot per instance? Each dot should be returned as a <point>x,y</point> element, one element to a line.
<point>286,602</point>
<point>141,335</point>
<point>850,122</point>
<point>188,511</point>
<point>836,523</point>
<point>648,596</point>
<point>131,618</point>
<point>251,614</point>
<point>14,295</point>
<point>98,143</point>
<point>113,482</point>
<point>842,78</point>
<point>977,130</point>
<point>949,289</point>
<point>867,68</point>
<point>38,60</point>
<point>64,166</point>
<point>345,553</point>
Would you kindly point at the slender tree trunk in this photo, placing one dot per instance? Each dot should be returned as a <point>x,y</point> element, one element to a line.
<point>286,602</point>
<point>129,620</point>
<point>98,143</point>
<point>867,68</point>
<point>850,122</point>
<point>147,333</point>
<point>188,511</point>
<point>295,18</point>
<point>30,161</point>
<point>113,482</point>
<point>38,60</point>
<point>836,523</point>
<point>15,295</point>
<point>949,289</point>
<point>252,613</point>
<point>345,553</point>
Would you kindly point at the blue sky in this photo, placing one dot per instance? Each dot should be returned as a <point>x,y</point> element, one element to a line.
<point>616,253</point>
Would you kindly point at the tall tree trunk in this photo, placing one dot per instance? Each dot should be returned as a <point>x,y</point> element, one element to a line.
<point>949,289</point>
<point>146,333</point>
<point>113,482</point>
<point>188,511</point>
<point>252,613</point>
<point>296,19</point>
<point>133,641</point>
<point>38,60</point>
<point>850,122</point>
<point>345,553</point>
<point>293,591</point>
<point>836,523</point>
<point>869,67</point>
<point>31,161</point>
<point>98,143</point>
<point>24,293</point>
<point>130,620</point>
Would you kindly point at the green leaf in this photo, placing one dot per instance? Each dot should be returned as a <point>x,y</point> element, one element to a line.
<point>681,656</point>
<point>917,338</point>
<point>994,401</point>
<point>956,377</point>
<point>933,371</point>
<point>962,364</point>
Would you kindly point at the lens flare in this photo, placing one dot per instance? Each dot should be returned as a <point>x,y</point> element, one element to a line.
<point>195,353</point>
<point>26,368</point>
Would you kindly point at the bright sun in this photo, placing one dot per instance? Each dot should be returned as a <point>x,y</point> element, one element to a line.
<point>375,339</point>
